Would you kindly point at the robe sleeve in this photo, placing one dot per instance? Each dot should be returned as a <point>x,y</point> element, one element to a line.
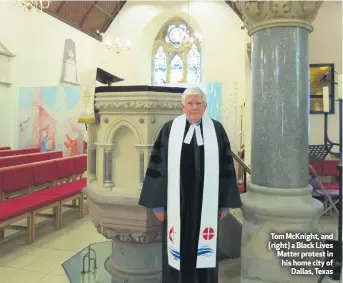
<point>158,209</point>
<point>229,195</point>
<point>154,189</point>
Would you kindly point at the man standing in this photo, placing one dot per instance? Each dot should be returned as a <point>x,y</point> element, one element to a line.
<point>190,183</point>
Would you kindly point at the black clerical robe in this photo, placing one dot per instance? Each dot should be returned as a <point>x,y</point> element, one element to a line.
<point>154,194</point>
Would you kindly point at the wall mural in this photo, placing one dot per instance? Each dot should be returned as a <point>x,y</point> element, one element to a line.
<point>48,119</point>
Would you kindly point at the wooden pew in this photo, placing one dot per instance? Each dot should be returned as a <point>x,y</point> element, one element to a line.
<point>327,168</point>
<point>13,152</point>
<point>41,186</point>
<point>29,158</point>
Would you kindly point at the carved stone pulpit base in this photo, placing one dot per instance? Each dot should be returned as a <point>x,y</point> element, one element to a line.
<point>135,261</point>
<point>135,234</point>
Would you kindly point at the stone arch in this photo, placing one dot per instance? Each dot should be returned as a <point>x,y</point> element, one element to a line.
<point>157,131</point>
<point>151,29</point>
<point>164,18</point>
<point>162,32</point>
<point>112,129</point>
<point>171,52</point>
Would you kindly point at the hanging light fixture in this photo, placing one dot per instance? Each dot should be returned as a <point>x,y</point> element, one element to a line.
<point>122,45</point>
<point>118,45</point>
<point>188,39</point>
<point>30,4</point>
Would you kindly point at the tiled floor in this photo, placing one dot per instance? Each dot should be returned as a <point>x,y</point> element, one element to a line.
<point>41,261</point>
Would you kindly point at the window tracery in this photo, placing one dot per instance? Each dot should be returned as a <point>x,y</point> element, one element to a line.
<point>176,61</point>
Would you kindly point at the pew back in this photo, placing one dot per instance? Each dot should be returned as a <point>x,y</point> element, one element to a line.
<point>22,179</point>
<point>29,158</point>
<point>326,167</point>
<point>13,152</point>
<point>16,180</point>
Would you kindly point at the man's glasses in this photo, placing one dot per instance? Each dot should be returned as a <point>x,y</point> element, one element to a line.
<point>196,103</point>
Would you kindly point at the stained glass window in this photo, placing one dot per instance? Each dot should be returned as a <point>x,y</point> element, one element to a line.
<point>160,67</point>
<point>176,70</point>
<point>172,57</point>
<point>176,34</point>
<point>193,66</point>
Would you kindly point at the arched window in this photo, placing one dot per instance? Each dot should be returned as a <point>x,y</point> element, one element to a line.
<point>176,61</point>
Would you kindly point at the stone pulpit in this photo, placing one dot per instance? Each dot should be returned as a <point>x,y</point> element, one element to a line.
<point>128,120</point>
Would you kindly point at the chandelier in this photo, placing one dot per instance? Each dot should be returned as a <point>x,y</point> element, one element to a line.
<point>29,4</point>
<point>118,45</point>
<point>188,40</point>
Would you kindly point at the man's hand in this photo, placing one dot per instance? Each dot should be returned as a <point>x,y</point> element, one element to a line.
<point>223,214</point>
<point>160,215</point>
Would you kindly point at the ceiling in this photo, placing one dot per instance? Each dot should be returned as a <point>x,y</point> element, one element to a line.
<point>92,16</point>
<point>86,16</point>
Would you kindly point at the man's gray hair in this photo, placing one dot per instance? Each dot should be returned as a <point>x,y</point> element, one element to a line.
<point>193,91</point>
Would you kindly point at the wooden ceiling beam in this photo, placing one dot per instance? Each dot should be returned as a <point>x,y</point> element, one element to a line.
<point>104,11</point>
<point>94,4</point>
<point>70,23</point>
<point>114,14</point>
<point>60,7</point>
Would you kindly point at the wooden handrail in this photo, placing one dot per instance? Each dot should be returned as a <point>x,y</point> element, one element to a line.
<point>241,162</point>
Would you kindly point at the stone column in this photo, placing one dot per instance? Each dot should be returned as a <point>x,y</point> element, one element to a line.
<point>141,164</point>
<point>136,250</point>
<point>148,151</point>
<point>91,162</point>
<point>108,168</point>
<point>91,152</point>
<point>144,156</point>
<point>279,198</point>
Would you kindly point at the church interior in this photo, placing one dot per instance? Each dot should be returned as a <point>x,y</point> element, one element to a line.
<point>85,88</point>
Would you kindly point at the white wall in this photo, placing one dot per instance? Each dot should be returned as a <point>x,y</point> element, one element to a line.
<point>326,47</point>
<point>37,40</point>
<point>223,48</point>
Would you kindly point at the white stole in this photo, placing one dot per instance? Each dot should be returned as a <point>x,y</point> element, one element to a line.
<point>207,247</point>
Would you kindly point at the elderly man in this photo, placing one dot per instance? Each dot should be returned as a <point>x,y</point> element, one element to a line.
<point>190,183</point>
